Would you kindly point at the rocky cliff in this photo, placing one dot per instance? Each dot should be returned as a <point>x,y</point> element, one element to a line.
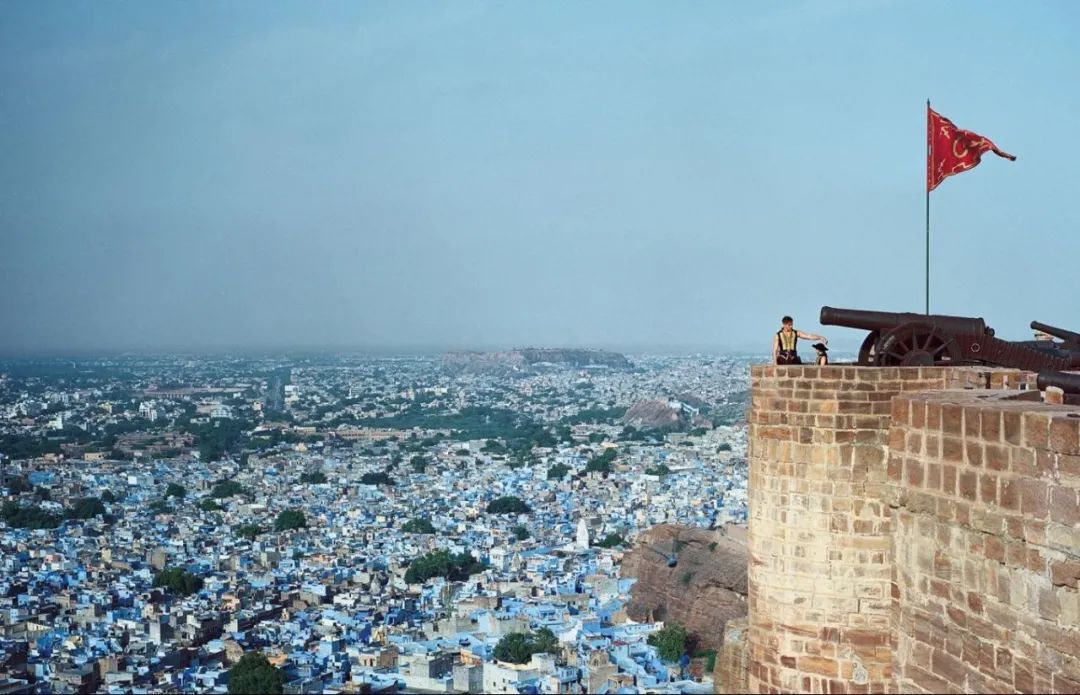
<point>705,588</point>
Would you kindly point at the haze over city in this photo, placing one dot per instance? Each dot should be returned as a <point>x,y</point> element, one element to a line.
<point>386,175</point>
<point>382,347</point>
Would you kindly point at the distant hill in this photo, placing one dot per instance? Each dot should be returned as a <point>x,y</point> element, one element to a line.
<point>530,359</point>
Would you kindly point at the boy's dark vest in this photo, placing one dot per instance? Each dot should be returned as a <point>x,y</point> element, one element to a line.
<point>788,342</point>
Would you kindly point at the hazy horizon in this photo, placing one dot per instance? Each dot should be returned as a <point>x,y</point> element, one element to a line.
<point>198,176</point>
<point>371,350</point>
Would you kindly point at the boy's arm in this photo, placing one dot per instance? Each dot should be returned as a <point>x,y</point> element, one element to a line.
<point>775,347</point>
<point>813,336</point>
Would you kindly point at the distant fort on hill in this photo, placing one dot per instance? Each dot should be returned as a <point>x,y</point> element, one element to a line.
<point>530,358</point>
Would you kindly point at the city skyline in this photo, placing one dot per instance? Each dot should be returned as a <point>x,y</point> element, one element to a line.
<point>198,176</point>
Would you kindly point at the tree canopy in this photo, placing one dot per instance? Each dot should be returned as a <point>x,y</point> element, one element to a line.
<point>253,675</point>
<point>508,505</point>
<point>380,478</point>
<point>440,563</point>
<point>518,647</point>
<point>418,525</point>
<point>249,531</point>
<point>612,540</point>
<point>226,488</point>
<point>85,508</point>
<point>33,518</point>
<point>209,505</point>
<point>178,581</point>
<point>558,471</point>
<point>601,463</point>
<point>670,642</point>
<point>19,484</point>
<point>289,520</point>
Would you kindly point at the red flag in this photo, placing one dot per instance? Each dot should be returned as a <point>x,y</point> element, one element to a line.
<point>950,150</point>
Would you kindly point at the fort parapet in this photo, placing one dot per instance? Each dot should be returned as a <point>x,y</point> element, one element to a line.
<point>911,530</point>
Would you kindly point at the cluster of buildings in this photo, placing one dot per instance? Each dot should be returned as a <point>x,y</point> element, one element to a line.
<point>332,603</point>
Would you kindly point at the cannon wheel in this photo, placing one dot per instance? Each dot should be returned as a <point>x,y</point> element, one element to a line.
<point>866,352</point>
<point>916,345</point>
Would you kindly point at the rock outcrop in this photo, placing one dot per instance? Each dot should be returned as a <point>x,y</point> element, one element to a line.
<point>705,588</point>
<point>655,414</point>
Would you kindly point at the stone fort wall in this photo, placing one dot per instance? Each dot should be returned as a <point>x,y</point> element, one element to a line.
<point>911,529</point>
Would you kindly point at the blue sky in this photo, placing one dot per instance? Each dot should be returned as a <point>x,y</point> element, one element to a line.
<point>621,174</point>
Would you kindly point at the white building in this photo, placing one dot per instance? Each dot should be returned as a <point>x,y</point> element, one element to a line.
<point>582,535</point>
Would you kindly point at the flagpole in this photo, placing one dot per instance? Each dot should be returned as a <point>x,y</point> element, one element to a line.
<point>930,158</point>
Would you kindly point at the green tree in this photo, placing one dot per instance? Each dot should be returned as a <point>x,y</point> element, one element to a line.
<point>545,642</point>
<point>178,581</point>
<point>514,648</point>
<point>209,505</point>
<point>612,540</point>
<point>253,675</point>
<point>175,490</point>
<point>558,471</point>
<point>32,518</point>
<point>226,488</point>
<point>597,466</point>
<point>108,496</point>
<point>380,478</point>
<point>658,470</point>
<point>289,520</point>
<point>160,506</point>
<point>418,463</point>
<point>670,642</point>
<point>85,508</point>
<point>19,484</point>
<point>518,647</point>
<point>418,526</point>
<point>249,531</point>
<point>508,505</point>
<point>600,464</point>
<point>313,477</point>
<point>440,563</point>
<point>520,532</point>
<point>710,658</point>
<point>210,451</point>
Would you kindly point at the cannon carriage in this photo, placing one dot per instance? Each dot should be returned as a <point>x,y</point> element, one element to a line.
<point>923,340</point>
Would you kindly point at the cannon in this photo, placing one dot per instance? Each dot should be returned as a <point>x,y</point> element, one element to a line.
<point>1069,383</point>
<point>923,340</point>
<point>1070,340</point>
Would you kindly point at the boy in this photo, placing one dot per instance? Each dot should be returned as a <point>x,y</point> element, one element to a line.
<point>784,344</point>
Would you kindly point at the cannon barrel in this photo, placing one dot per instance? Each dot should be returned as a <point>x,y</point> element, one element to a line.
<point>886,320</point>
<point>1069,383</point>
<point>1067,336</point>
